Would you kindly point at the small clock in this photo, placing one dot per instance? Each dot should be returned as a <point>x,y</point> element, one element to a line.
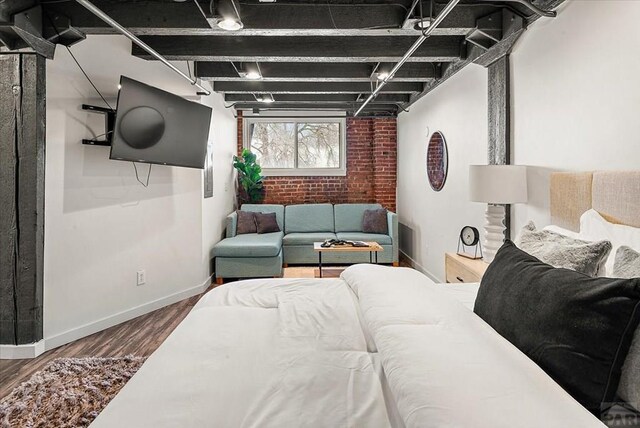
<point>470,237</point>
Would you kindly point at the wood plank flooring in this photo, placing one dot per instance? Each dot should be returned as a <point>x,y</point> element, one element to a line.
<point>139,336</point>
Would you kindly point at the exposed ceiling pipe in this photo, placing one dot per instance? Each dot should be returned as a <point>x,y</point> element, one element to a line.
<point>425,35</point>
<point>112,23</point>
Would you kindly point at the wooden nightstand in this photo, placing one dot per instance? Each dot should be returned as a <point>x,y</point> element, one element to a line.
<point>461,269</point>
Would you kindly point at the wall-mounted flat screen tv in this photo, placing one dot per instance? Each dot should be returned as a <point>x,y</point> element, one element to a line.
<point>158,127</point>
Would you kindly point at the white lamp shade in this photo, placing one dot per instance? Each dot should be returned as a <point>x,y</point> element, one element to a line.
<point>498,184</point>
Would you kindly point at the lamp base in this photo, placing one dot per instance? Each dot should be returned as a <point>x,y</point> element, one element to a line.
<point>493,231</point>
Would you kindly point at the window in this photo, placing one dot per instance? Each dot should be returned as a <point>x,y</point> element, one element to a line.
<point>310,146</point>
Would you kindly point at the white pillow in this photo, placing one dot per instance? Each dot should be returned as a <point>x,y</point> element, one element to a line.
<point>594,227</point>
<point>562,231</point>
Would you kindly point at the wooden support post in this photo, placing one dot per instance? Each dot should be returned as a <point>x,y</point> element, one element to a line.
<point>22,164</point>
<point>499,149</point>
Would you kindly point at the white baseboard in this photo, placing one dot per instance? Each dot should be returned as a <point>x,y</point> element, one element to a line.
<point>35,349</point>
<point>417,266</point>
<point>21,352</point>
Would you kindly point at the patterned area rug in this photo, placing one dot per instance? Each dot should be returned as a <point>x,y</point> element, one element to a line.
<point>68,392</point>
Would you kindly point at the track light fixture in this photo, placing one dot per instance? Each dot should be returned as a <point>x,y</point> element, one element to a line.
<point>265,98</point>
<point>382,75</point>
<point>423,24</point>
<point>225,14</point>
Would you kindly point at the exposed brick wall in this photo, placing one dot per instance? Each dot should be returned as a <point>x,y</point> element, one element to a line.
<point>371,170</point>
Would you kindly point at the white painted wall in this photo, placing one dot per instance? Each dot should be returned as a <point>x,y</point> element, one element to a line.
<point>576,96</point>
<point>575,106</point>
<point>101,225</point>
<point>223,136</point>
<point>431,221</point>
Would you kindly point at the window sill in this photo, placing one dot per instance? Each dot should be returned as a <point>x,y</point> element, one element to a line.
<point>321,172</point>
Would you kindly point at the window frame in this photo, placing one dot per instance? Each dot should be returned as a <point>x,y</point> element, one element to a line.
<point>340,171</point>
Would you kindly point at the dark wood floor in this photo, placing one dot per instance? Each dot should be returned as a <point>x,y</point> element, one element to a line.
<point>139,336</point>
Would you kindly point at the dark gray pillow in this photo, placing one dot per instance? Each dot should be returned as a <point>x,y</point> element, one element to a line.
<point>627,265</point>
<point>266,223</point>
<point>246,222</point>
<point>564,252</point>
<point>578,329</point>
<point>375,221</point>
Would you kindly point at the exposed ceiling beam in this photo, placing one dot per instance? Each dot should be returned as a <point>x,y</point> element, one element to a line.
<point>266,19</point>
<point>485,57</point>
<point>310,72</point>
<point>392,108</point>
<point>320,98</point>
<point>312,87</point>
<point>301,49</point>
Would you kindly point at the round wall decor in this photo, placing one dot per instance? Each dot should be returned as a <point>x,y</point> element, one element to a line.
<point>437,161</point>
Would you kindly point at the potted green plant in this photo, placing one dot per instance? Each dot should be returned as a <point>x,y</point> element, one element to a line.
<point>250,179</point>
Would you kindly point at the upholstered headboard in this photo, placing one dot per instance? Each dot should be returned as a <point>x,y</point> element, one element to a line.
<point>614,194</point>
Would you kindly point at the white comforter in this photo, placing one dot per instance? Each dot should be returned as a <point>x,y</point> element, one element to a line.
<point>381,347</point>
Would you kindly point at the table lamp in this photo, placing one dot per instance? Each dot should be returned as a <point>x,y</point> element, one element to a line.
<point>496,185</point>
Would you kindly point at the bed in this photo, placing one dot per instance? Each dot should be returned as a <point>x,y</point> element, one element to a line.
<point>378,347</point>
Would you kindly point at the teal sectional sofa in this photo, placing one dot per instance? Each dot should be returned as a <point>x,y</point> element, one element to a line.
<point>263,255</point>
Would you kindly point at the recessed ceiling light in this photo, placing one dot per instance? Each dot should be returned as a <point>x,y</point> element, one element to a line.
<point>230,24</point>
<point>253,75</point>
<point>265,98</point>
<point>226,15</point>
<point>423,24</point>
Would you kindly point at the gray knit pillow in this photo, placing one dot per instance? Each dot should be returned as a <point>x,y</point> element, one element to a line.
<point>563,252</point>
<point>627,263</point>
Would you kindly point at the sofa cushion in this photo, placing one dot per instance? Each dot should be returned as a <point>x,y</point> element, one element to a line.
<point>307,238</point>
<point>267,208</point>
<point>308,218</point>
<point>366,237</point>
<point>375,221</point>
<point>246,222</point>
<point>249,245</point>
<point>349,216</point>
<point>266,223</point>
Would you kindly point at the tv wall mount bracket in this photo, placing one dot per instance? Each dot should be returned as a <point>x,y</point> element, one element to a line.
<point>109,125</point>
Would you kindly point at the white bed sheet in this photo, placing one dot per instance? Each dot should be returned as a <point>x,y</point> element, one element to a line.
<point>261,353</point>
<point>381,347</point>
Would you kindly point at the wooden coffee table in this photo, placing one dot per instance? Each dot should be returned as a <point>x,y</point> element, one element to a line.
<point>373,248</point>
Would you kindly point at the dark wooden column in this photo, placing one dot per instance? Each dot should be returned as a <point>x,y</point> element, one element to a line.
<point>499,150</point>
<point>22,162</point>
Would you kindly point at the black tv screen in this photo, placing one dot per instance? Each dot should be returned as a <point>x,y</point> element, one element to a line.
<point>155,126</point>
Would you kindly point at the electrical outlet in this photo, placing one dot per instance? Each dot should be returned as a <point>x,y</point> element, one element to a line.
<point>141,277</point>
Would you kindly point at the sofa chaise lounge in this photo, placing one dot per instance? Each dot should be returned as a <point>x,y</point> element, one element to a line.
<point>256,255</point>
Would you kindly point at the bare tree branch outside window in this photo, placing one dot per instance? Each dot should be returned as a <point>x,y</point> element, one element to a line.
<point>303,145</point>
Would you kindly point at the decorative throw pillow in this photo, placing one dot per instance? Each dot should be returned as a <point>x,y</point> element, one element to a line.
<point>375,221</point>
<point>576,328</point>
<point>627,265</point>
<point>564,252</point>
<point>246,222</point>
<point>266,222</point>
